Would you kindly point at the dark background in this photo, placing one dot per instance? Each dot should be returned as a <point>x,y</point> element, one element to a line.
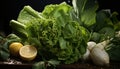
<point>9,9</point>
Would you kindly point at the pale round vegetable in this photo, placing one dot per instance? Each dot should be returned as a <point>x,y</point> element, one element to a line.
<point>14,48</point>
<point>90,44</point>
<point>28,52</point>
<point>99,56</point>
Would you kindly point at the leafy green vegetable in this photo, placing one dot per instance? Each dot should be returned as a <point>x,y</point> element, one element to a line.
<point>4,45</point>
<point>43,65</point>
<point>18,26</point>
<point>4,53</point>
<point>102,20</point>
<point>61,32</point>
<point>86,11</point>
<point>54,32</point>
<point>106,25</point>
<point>113,48</point>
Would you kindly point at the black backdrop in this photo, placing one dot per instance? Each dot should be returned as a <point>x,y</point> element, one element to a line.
<point>9,9</point>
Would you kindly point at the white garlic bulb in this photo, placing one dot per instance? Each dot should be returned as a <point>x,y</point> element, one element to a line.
<point>99,56</point>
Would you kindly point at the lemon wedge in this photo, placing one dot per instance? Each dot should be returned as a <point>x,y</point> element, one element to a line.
<point>28,52</point>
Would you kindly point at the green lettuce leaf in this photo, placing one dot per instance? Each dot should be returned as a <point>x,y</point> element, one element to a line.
<point>86,11</point>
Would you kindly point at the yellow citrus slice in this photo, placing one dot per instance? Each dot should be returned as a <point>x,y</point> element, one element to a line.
<point>14,48</point>
<point>28,52</point>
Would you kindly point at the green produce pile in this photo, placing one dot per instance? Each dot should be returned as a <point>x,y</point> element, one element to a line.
<point>54,31</point>
<point>61,32</point>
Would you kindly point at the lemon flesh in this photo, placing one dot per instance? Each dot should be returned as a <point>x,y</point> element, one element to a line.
<point>28,52</point>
